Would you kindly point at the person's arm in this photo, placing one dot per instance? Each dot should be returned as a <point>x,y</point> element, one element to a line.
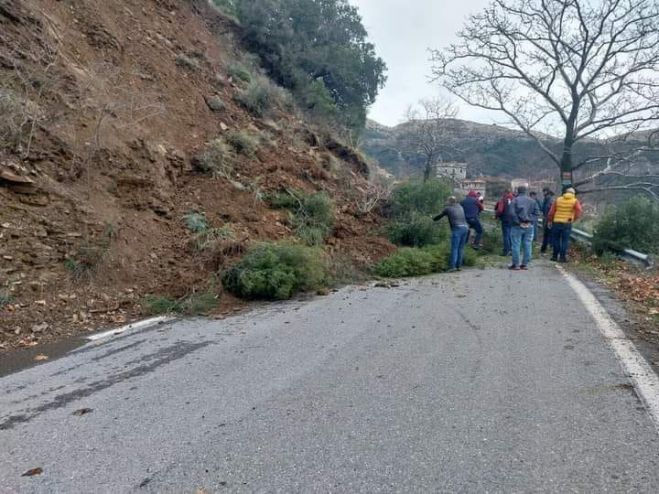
<point>552,212</point>
<point>440,216</point>
<point>578,210</point>
<point>513,212</point>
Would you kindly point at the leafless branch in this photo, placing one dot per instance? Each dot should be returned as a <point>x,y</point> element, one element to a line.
<point>587,69</point>
<point>426,129</point>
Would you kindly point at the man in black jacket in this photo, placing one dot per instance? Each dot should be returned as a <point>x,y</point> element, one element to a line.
<point>546,230</point>
<point>472,207</point>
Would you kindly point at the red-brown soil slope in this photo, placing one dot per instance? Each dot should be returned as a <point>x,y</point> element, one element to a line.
<point>102,115</point>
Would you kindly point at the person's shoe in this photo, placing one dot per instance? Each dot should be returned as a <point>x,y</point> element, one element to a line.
<point>554,259</point>
<point>562,259</point>
<point>524,267</point>
<point>452,270</point>
<point>514,267</point>
<point>458,269</point>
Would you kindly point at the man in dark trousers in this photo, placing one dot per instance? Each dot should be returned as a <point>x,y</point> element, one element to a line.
<point>536,234</point>
<point>523,211</point>
<point>564,212</point>
<point>472,208</point>
<point>459,231</point>
<point>502,213</point>
<point>546,207</point>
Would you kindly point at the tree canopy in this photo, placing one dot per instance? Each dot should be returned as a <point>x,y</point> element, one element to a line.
<point>318,49</point>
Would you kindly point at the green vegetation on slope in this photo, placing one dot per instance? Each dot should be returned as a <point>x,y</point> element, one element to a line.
<point>316,48</point>
<point>632,224</point>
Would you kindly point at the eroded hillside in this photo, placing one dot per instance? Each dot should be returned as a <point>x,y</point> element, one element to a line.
<point>108,110</point>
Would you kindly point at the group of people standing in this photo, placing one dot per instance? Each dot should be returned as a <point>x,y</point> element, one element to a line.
<point>519,214</point>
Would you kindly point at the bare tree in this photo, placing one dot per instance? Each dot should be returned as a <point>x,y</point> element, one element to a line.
<point>426,129</point>
<point>578,69</point>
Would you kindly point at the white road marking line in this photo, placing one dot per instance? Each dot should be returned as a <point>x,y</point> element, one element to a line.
<point>146,323</point>
<point>645,380</point>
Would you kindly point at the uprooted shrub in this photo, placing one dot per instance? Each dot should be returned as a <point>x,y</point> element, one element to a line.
<point>633,224</point>
<point>426,198</point>
<point>282,200</point>
<point>407,261</point>
<point>277,271</point>
<point>208,238</point>
<point>415,230</point>
<point>216,159</point>
<point>314,218</point>
<point>262,96</point>
<point>243,143</point>
<point>89,256</point>
<point>186,62</point>
<point>312,214</point>
<point>191,305</point>
<point>238,72</point>
<point>411,207</point>
<point>196,222</point>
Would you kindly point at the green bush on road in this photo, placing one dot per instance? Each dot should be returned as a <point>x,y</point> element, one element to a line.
<point>272,271</point>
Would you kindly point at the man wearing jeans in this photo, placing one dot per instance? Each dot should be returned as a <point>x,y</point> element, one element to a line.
<point>565,211</point>
<point>523,211</point>
<point>472,208</point>
<point>459,231</point>
<point>502,213</point>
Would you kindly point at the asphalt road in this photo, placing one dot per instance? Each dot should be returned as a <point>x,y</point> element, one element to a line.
<point>481,381</point>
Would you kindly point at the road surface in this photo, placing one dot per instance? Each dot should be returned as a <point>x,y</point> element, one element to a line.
<point>480,381</point>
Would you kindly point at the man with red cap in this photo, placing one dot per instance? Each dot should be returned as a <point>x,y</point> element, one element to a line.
<point>472,208</point>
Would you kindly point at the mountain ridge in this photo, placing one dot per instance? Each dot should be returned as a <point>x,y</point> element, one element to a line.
<point>488,149</point>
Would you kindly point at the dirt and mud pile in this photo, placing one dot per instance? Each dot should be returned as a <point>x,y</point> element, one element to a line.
<point>105,106</point>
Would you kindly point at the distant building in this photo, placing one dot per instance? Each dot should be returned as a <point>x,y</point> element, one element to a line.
<point>519,182</point>
<point>475,184</point>
<point>534,185</point>
<point>538,185</point>
<point>453,170</point>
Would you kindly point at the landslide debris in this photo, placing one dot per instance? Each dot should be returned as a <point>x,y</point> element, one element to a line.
<point>119,120</point>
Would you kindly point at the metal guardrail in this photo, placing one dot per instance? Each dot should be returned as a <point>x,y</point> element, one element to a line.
<point>629,255</point>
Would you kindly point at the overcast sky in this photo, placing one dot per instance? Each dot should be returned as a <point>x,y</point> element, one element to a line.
<point>402,31</point>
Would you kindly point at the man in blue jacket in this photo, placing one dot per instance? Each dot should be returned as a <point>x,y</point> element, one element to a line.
<point>472,207</point>
<point>523,210</point>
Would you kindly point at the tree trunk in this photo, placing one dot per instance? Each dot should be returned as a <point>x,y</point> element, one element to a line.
<point>566,160</point>
<point>428,170</point>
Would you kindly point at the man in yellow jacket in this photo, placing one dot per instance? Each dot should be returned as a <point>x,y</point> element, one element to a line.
<point>565,211</point>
